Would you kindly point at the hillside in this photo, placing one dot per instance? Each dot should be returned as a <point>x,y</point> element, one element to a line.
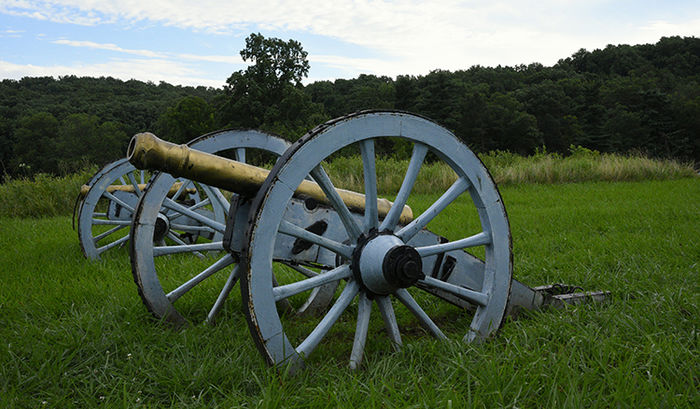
<point>621,99</point>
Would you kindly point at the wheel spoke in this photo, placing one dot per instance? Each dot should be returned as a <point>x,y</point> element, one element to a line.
<point>174,237</point>
<point>405,297</point>
<point>479,239</point>
<point>392,327</point>
<point>181,189</point>
<point>118,201</point>
<point>186,248</point>
<point>240,154</point>
<point>296,231</point>
<point>193,208</point>
<point>108,232</point>
<point>135,184</point>
<point>457,188</point>
<point>171,204</point>
<point>143,177</point>
<point>364,308</point>
<point>288,290</point>
<point>223,295</point>
<point>417,157</point>
<point>113,244</point>
<point>301,269</point>
<point>309,344</point>
<point>189,228</point>
<point>321,177</point>
<point>471,296</point>
<point>225,204</point>
<point>111,222</point>
<point>222,263</point>
<point>370,176</point>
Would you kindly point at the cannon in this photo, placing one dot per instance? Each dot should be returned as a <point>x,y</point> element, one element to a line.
<point>293,237</point>
<point>106,204</point>
<point>152,219</point>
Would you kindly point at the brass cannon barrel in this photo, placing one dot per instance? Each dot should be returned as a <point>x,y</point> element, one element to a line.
<point>146,151</point>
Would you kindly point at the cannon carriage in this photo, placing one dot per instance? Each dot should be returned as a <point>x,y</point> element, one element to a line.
<point>307,253</point>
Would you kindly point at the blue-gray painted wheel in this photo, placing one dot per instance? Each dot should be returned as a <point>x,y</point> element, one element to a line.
<point>381,257</point>
<point>106,210</point>
<point>171,285</point>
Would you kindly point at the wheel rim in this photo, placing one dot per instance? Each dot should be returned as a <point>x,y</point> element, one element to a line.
<point>162,291</point>
<point>106,168</point>
<point>271,332</point>
<point>104,218</point>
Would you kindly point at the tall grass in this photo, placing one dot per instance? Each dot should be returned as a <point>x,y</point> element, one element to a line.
<point>582,165</point>
<point>51,196</point>
<point>43,195</point>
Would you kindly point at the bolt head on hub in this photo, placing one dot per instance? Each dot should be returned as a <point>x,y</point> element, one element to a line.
<point>387,264</point>
<point>402,266</point>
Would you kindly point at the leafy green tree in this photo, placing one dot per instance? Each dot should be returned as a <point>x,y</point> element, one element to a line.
<point>406,92</point>
<point>75,137</point>
<point>35,146</point>
<point>552,109</point>
<point>110,143</point>
<point>191,117</point>
<point>83,139</point>
<point>260,96</point>
<point>276,62</point>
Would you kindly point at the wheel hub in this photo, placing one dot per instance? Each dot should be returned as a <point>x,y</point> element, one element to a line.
<point>402,266</point>
<point>161,227</point>
<point>384,264</point>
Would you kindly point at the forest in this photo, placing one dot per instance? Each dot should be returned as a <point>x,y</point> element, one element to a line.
<point>621,99</point>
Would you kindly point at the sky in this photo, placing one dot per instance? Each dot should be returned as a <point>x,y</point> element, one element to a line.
<point>197,42</point>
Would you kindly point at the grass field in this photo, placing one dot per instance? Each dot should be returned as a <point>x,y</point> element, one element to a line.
<point>74,333</point>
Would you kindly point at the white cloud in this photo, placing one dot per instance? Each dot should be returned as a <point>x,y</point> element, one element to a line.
<point>659,28</point>
<point>353,66</point>
<point>154,70</point>
<point>225,59</point>
<point>405,36</point>
<point>108,47</point>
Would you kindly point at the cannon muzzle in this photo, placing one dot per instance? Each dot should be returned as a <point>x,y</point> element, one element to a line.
<point>146,151</point>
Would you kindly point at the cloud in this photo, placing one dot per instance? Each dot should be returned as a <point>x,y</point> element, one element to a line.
<point>109,47</point>
<point>404,36</point>
<point>11,33</point>
<point>225,59</point>
<point>352,66</point>
<point>659,28</point>
<point>154,70</point>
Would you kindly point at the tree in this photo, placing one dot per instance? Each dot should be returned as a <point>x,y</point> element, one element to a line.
<point>260,95</point>
<point>189,118</point>
<point>275,62</point>
<point>35,144</point>
<point>83,139</point>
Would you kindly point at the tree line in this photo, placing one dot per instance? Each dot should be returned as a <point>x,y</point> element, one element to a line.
<point>643,98</point>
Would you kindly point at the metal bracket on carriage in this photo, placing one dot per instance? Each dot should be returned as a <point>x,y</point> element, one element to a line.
<point>523,297</point>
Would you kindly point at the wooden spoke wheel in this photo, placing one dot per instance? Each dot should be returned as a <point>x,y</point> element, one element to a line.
<point>172,285</point>
<point>106,210</point>
<point>380,259</point>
